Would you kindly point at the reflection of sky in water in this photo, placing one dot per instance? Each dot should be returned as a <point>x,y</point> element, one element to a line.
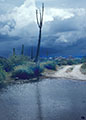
<point>47,100</point>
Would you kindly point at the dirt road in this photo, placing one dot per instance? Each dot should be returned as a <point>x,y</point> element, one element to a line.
<point>72,72</point>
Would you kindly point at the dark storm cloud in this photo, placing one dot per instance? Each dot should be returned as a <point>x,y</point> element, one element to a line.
<point>63,26</point>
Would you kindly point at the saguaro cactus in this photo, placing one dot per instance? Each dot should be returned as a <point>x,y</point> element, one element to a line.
<point>22,50</point>
<point>14,52</point>
<point>40,24</point>
<point>31,52</point>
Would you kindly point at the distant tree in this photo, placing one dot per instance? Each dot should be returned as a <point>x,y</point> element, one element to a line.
<point>40,24</point>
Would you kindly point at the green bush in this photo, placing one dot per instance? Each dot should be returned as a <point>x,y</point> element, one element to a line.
<point>83,68</point>
<point>78,61</point>
<point>37,69</point>
<point>27,72</point>
<point>61,62</point>
<point>18,60</point>
<point>51,65</point>
<point>70,62</point>
<point>2,75</point>
<point>21,72</point>
<point>5,64</point>
<point>83,60</point>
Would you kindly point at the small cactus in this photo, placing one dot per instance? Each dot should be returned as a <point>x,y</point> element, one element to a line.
<point>22,50</point>
<point>14,52</point>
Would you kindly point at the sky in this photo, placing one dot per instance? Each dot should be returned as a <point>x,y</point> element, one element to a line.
<point>64,22</point>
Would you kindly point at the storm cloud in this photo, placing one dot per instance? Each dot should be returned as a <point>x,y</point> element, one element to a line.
<point>64,21</point>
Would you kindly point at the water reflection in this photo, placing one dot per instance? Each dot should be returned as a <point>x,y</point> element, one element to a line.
<point>38,95</point>
<point>45,100</point>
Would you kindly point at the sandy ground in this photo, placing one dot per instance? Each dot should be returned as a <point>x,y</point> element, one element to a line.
<point>72,72</point>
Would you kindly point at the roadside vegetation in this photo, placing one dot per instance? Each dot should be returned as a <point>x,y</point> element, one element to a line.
<point>2,76</point>
<point>83,68</point>
<point>27,71</point>
<point>68,61</point>
<point>50,65</point>
<point>20,67</point>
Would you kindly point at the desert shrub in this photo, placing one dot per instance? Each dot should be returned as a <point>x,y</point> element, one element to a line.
<point>70,62</point>
<point>27,72</point>
<point>6,65</point>
<point>61,62</point>
<point>78,60</point>
<point>51,65</point>
<point>22,72</point>
<point>83,68</point>
<point>2,75</point>
<point>37,69</point>
<point>18,60</point>
<point>83,60</point>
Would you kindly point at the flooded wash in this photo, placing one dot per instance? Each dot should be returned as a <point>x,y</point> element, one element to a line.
<point>50,99</point>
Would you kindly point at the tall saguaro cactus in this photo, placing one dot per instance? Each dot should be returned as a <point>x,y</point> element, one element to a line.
<point>40,24</point>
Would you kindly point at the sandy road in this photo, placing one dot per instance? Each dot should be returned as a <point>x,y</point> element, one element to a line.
<point>72,72</point>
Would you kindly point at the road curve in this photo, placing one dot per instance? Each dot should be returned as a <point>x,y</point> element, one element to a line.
<point>65,72</point>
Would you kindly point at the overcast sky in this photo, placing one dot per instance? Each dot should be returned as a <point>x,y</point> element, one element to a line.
<point>64,21</point>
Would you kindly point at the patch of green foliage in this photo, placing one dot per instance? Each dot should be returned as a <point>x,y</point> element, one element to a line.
<point>5,64</point>
<point>18,60</point>
<point>2,75</point>
<point>71,62</point>
<point>21,67</point>
<point>50,65</point>
<point>68,61</point>
<point>61,62</point>
<point>28,71</point>
<point>83,60</point>
<point>83,68</point>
